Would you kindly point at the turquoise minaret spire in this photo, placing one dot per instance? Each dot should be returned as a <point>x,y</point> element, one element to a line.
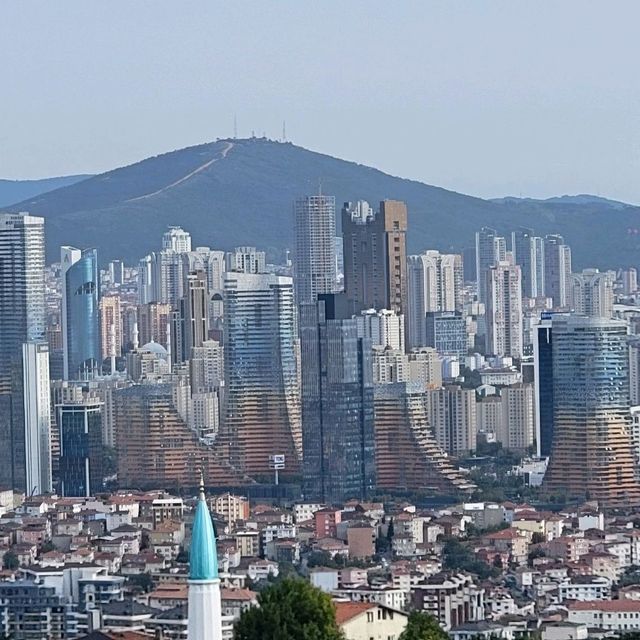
<point>205,609</point>
<point>203,557</point>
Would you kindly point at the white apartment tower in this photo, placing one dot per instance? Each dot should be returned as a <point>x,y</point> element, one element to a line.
<point>37,417</point>
<point>504,310</point>
<point>315,257</point>
<point>434,282</point>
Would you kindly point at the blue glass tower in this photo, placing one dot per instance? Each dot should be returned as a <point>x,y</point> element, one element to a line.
<point>80,313</point>
<point>337,403</point>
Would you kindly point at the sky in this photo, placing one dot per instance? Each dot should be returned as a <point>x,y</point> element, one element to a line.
<point>490,98</point>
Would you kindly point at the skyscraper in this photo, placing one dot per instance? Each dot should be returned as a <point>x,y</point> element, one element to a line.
<point>557,270</point>
<point>528,254</point>
<point>80,313</point>
<point>110,327</point>
<point>592,454</point>
<point>37,417</point>
<point>153,323</point>
<point>383,328</point>
<point>591,293</point>
<point>504,310</point>
<point>490,249</point>
<point>146,420</point>
<point>176,239</point>
<point>261,372</point>
<point>375,256</point>
<point>435,283</point>
<point>246,260</point>
<point>408,457</point>
<point>315,258</point>
<point>543,363</point>
<point>22,319</point>
<point>80,429</point>
<point>337,403</point>
<point>446,332</point>
<point>193,317</point>
<point>452,415</point>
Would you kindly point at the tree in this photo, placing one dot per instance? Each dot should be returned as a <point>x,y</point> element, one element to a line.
<point>142,581</point>
<point>290,610</point>
<point>10,560</point>
<point>422,626</point>
<point>538,537</point>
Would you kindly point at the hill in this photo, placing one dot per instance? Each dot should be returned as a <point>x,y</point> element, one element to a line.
<point>12,191</point>
<point>233,192</point>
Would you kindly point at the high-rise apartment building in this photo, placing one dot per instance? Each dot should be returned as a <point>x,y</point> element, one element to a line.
<point>82,349</point>
<point>315,257</point>
<point>337,403</point>
<point>161,274</point>
<point>206,366</point>
<point>153,323</point>
<point>375,256</point>
<point>490,249</point>
<point>383,328</point>
<point>246,260</point>
<point>453,418</point>
<point>190,322</point>
<point>504,310</point>
<point>516,432</point>
<point>528,254</point>
<point>421,366</point>
<point>557,271</point>
<point>116,272</point>
<point>37,417</point>
<point>591,293</point>
<point>80,432</point>
<point>446,332</point>
<point>176,239</point>
<point>262,387</point>
<point>435,283</point>
<point>629,281</point>
<point>110,327</point>
<point>22,319</point>
<point>592,454</point>
<point>408,456</point>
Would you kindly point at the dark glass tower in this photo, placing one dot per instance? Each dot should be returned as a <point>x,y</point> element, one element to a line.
<point>337,403</point>
<point>543,358</point>
<point>80,428</point>
<point>80,313</point>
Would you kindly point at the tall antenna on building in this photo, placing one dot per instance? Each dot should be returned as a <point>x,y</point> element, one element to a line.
<point>284,131</point>
<point>235,126</point>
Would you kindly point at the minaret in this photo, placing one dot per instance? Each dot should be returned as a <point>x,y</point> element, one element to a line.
<point>205,610</point>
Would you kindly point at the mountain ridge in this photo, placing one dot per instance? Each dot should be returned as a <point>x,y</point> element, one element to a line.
<point>240,191</point>
<point>14,191</point>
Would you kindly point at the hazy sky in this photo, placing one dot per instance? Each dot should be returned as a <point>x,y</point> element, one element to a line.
<point>485,97</point>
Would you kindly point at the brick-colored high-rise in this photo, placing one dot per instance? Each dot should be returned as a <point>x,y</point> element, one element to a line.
<point>155,446</point>
<point>375,256</point>
<point>408,457</point>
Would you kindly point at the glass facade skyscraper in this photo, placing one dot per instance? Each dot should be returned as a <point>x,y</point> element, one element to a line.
<point>80,313</point>
<point>22,319</point>
<point>262,389</point>
<point>591,455</point>
<point>80,427</point>
<point>337,403</point>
